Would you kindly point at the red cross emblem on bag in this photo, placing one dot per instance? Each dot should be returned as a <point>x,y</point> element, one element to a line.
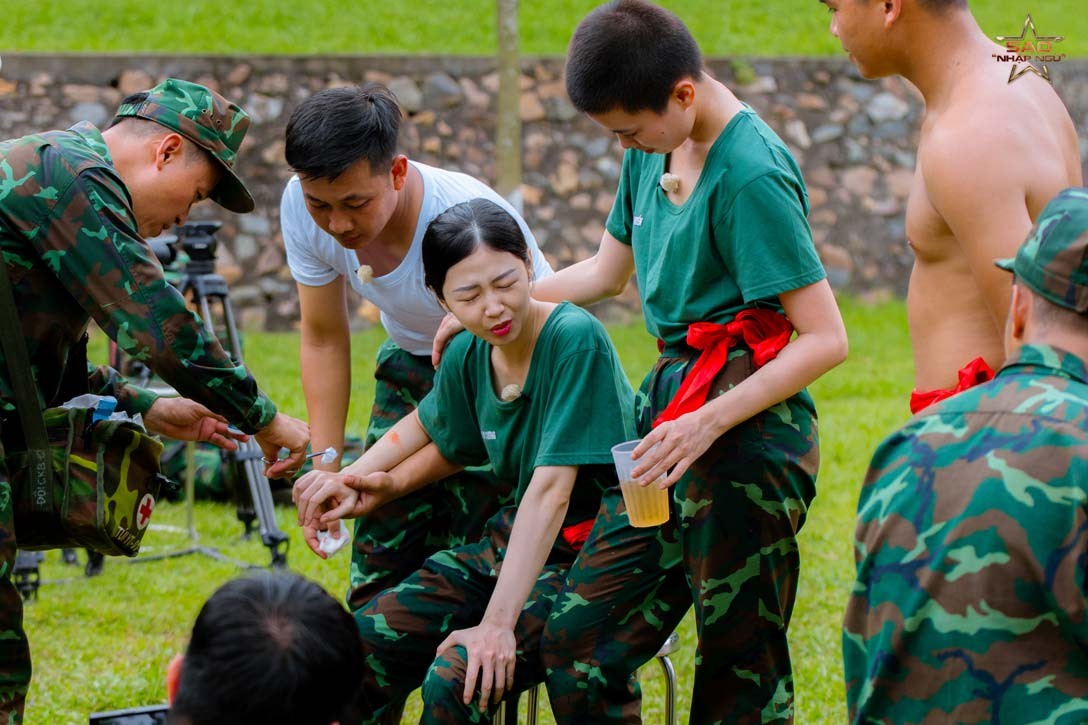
<point>143,513</point>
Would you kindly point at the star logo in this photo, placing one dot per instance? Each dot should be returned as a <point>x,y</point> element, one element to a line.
<point>1022,49</point>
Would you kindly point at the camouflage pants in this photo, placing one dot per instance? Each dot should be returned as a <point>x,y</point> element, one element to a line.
<point>402,627</point>
<point>14,648</point>
<point>730,547</point>
<point>396,540</point>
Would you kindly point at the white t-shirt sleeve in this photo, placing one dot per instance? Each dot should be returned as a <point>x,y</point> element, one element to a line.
<point>300,239</point>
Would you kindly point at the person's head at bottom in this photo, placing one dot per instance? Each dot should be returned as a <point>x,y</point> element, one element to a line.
<point>268,648</point>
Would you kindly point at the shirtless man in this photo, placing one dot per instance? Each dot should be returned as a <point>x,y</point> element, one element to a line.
<point>992,153</point>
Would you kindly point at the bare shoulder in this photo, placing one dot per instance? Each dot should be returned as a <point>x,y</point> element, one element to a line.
<point>967,151</point>
<point>1017,135</point>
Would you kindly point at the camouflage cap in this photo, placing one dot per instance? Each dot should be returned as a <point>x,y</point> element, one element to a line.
<point>208,120</point>
<point>1053,261</point>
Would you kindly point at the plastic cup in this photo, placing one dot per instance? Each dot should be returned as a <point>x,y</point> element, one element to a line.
<point>646,505</point>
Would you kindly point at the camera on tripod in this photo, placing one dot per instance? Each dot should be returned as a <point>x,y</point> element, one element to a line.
<point>197,244</point>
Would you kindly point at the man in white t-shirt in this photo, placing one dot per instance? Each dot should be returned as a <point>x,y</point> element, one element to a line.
<point>354,217</point>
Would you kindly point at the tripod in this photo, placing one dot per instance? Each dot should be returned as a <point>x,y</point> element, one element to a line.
<point>199,283</point>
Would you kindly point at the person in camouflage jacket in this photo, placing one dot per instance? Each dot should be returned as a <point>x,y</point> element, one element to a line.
<point>969,604</point>
<point>75,207</point>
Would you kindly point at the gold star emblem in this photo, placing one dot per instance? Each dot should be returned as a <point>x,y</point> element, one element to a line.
<point>1017,44</point>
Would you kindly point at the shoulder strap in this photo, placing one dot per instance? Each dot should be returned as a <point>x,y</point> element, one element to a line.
<point>18,361</point>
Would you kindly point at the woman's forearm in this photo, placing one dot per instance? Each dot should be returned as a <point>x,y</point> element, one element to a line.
<point>398,443</point>
<point>820,345</point>
<point>605,274</point>
<point>420,469</point>
<point>536,526</point>
<point>800,363</point>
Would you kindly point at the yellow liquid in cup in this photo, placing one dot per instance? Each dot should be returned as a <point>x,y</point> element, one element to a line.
<point>646,505</point>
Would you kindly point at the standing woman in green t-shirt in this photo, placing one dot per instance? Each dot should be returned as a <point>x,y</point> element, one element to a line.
<point>710,214</point>
<point>537,391</point>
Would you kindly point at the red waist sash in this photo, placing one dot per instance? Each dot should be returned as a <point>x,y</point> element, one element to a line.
<point>973,373</point>
<point>765,332</point>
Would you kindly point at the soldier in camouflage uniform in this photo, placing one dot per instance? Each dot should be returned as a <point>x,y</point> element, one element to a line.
<point>972,534</point>
<point>74,208</point>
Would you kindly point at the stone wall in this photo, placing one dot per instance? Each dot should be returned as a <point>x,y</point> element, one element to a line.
<point>854,139</point>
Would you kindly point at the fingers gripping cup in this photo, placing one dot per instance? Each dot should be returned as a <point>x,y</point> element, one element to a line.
<point>646,505</point>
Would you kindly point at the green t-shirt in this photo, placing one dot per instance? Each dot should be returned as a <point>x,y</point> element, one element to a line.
<point>740,238</point>
<point>576,404</point>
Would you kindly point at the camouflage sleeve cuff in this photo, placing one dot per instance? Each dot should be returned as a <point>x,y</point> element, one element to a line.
<point>104,380</point>
<point>261,414</point>
<point>140,400</point>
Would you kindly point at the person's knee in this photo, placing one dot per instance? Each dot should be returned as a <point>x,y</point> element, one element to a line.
<point>445,679</point>
<point>382,632</point>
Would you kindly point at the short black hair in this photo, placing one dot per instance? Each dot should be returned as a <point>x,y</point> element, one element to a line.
<point>270,648</point>
<point>629,54</point>
<point>1049,316</point>
<point>130,100</point>
<point>457,232</point>
<point>335,128</point>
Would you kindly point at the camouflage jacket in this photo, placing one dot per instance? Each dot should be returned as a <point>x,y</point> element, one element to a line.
<point>69,238</point>
<point>972,536</point>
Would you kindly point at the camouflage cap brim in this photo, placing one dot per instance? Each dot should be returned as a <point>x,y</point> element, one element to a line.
<point>1053,260</point>
<point>231,194</point>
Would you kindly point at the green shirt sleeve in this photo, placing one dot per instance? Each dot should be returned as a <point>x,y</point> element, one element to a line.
<point>765,238</point>
<point>90,243</point>
<point>620,218</point>
<point>447,413</point>
<point>588,406</point>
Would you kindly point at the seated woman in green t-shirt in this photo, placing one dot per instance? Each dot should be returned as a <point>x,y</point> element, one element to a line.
<point>537,392</point>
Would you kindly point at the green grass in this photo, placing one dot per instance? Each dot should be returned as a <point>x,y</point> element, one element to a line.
<point>739,27</point>
<point>104,643</point>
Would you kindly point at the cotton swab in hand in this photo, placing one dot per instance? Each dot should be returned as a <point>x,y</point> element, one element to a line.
<point>327,456</point>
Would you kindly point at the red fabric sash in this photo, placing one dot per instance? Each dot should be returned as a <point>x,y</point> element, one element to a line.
<point>765,332</point>
<point>973,373</point>
<point>576,534</point>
